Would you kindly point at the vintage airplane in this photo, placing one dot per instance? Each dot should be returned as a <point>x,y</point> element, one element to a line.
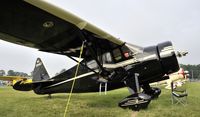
<point>48,28</point>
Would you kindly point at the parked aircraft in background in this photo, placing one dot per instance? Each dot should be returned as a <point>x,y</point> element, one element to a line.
<point>105,59</point>
<point>14,80</point>
<point>178,78</point>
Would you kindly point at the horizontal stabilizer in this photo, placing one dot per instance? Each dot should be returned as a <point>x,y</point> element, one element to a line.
<point>27,86</point>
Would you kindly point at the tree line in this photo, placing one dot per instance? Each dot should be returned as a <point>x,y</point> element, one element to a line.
<point>194,70</point>
<point>13,73</point>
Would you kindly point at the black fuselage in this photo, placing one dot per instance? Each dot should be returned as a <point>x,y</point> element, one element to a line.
<point>152,64</point>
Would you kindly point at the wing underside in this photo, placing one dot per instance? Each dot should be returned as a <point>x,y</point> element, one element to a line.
<point>43,26</point>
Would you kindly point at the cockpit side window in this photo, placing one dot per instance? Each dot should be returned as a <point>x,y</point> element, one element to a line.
<point>107,58</point>
<point>117,54</point>
<point>92,64</point>
<point>122,53</point>
<point>126,52</point>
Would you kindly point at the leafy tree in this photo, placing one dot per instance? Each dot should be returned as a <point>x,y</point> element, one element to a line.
<point>21,74</point>
<point>2,73</point>
<point>194,70</point>
<point>14,73</point>
<point>11,73</point>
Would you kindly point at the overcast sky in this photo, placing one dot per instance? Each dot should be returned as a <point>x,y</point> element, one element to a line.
<point>141,22</point>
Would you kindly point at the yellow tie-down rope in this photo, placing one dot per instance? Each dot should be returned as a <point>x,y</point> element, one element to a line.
<point>73,83</point>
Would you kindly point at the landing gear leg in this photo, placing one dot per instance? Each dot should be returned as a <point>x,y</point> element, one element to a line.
<point>137,100</point>
<point>152,91</point>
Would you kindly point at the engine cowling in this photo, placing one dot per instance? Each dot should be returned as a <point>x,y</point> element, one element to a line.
<point>155,62</point>
<point>168,58</point>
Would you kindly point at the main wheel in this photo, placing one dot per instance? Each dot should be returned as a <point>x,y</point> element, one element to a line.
<point>135,102</point>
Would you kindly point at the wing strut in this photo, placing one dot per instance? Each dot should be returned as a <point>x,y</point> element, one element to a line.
<point>104,73</point>
<point>73,83</point>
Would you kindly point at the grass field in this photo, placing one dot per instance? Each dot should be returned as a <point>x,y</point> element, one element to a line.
<point>27,104</point>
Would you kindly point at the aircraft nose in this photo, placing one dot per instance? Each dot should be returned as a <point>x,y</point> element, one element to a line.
<point>168,57</point>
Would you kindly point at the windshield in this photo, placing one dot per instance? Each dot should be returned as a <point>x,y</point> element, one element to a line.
<point>134,48</point>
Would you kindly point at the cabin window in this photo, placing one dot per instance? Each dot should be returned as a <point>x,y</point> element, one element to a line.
<point>117,54</point>
<point>107,58</point>
<point>126,52</point>
<point>92,64</point>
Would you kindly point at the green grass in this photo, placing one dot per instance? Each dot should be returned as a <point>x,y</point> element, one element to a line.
<point>27,104</point>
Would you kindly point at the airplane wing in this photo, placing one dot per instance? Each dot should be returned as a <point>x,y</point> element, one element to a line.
<point>11,78</point>
<point>16,79</point>
<point>44,26</point>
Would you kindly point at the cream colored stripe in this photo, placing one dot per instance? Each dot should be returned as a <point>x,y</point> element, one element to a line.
<point>68,80</point>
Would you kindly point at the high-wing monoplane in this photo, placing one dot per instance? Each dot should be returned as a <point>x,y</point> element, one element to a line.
<point>105,59</point>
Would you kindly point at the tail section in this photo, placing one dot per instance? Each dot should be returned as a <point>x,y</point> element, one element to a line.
<point>40,72</point>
